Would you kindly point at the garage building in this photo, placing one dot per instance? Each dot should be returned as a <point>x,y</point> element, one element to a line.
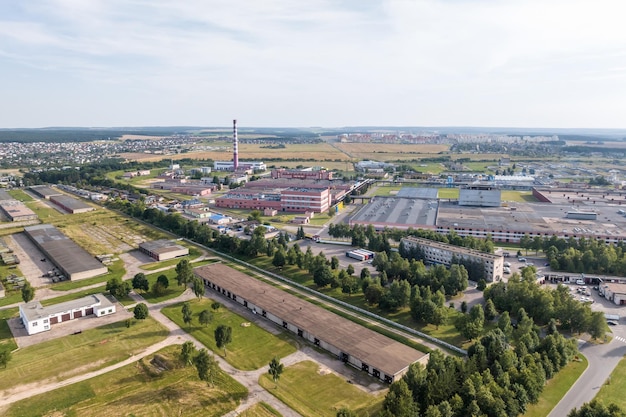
<point>37,318</point>
<point>70,204</point>
<point>355,345</point>
<point>163,249</point>
<point>72,261</point>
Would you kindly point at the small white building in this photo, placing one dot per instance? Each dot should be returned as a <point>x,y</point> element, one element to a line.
<point>37,318</point>
<point>614,292</point>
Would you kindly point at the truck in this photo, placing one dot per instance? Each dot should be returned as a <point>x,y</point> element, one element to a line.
<point>355,255</point>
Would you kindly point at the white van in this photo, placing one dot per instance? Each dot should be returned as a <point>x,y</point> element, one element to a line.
<point>507,264</point>
<point>580,282</point>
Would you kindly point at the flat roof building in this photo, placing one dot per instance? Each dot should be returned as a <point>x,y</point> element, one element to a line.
<point>44,191</point>
<point>365,349</point>
<point>73,261</point>
<point>16,211</point>
<point>163,249</point>
<point>71,204</point>
<point>443,253</point>
<point>37,318</point>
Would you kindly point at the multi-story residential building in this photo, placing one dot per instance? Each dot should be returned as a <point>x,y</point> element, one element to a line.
<point>292,199</point>
<point>442,253</point>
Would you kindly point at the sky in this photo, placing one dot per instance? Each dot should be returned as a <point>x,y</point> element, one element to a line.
<point>329,63</point>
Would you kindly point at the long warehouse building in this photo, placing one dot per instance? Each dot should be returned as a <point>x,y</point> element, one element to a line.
<point>73,261</point>
<point>365,349</point>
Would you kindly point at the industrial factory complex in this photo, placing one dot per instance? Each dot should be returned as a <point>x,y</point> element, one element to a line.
<point>479,212</point>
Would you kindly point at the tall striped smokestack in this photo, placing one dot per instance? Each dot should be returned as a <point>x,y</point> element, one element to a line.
<point>235,147</point>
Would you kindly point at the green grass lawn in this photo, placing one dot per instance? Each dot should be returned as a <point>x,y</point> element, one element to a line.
<point>557,387</point>
<point>64,357</point>
<point>251,346</point>
<point>313,393</point>
<point>172,291</point>
<point>448,193</point>
<point>613,391</point>
<point>518,196</point>
<point>20,195</point>
<point>12,298</point>
<point>385,191</point>
<point>140,389</point>
<point>260,410</point>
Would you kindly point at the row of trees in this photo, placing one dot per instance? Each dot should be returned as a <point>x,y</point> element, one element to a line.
<point>367,236</point>
<point>580,255</point>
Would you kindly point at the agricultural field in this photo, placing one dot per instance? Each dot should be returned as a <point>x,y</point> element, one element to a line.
<point>305,151</point>
<point>155,386</point>
<point>251,348</point>
<point>91,350</point>
<point>314,391</point>
<point>391,151</point>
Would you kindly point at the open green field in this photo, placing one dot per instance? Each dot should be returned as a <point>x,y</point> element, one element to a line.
<point>613,392</point>
<point>557,387</point>
<point>6,337</point>
<point>62,358</point>
<point>448,193</point>
<point>312,392</point>
<point>140,389</point>
<point>260,410</point>
<point>384,191</point>
<point>20,195</point>
<point>251,348</point>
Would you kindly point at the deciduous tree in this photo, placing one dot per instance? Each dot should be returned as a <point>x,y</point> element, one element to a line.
<point>205,317</point>
<point>223,336</point>
<point>275,369</point>
<point>28,292</point>
<point>187,352</point>
<point>187,313</point>
<point>184,272</point>
<point>141,311</point>
<point>140,282</point>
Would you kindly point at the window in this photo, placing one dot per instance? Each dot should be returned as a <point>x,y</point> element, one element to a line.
<point>110,310</point>
<point>45,320</point>
<point>34,323</point>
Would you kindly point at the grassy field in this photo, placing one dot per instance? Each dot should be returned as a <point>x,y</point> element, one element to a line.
<point>384,191</point>
<point>613,392</point>
<point>314,393</point>
<point>20,195</point>
<point>448,193</point>
<point>251,347</point>
<point>556,388</point>
<point>92,349</point>
<point>6,337</point>
<point>260,410</point>
<point>140,389</point>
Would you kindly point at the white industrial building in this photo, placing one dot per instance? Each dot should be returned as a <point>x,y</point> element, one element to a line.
<point>480,196</point>
<point>37,318</point>
<point>442,253</point>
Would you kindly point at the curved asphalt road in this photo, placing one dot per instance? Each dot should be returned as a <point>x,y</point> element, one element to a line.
<point>603,358</point>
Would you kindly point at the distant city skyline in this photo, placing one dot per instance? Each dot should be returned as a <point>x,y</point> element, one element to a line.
<point>535,64</point>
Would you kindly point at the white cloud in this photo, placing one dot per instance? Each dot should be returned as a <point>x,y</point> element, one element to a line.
<point>320,62</point>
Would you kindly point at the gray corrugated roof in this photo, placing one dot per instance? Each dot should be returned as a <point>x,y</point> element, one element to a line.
<point>370,347</point>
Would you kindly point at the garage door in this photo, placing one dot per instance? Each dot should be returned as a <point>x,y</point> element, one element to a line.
<point>78,314</point>
<point>65,317</point>
<point>89,311</point>
<point>54,320</point>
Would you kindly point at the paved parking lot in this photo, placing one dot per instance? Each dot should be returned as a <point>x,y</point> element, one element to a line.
<point>30,259</point>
